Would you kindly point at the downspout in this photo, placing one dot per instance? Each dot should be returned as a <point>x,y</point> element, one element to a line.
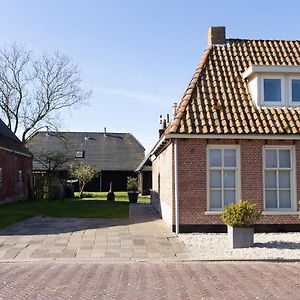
<point>176,186</point>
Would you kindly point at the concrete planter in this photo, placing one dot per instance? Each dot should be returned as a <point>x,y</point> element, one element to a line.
<point>240,237</point>
<point>133,197</point>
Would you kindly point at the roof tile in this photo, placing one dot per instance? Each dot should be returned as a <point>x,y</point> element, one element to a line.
<point>217,99</point>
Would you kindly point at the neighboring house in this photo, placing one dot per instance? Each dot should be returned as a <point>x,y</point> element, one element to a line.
<point>144,171</point>
<point>15,167</point>
<point>235,135</point>
<point>116,155</point>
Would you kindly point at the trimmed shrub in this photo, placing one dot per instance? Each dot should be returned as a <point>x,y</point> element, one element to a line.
<point>240,214</point>
<point>132,184</point>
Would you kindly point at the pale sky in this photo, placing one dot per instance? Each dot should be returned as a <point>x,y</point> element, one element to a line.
<point>136,55</point>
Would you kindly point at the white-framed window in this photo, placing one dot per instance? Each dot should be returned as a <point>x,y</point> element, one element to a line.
<point>294,90</point>
<point>79,154</point>
<point>223,173</point>
<point>279,178</point>
<point>272,90</point>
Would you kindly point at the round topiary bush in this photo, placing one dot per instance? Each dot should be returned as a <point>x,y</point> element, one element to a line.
<point>240,214</point>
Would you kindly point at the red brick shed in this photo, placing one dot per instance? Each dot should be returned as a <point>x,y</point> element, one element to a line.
<point>15,167</point>
<point>235,135</point>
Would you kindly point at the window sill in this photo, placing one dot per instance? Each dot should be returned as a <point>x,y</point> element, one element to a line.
<point>213,213</point>
<point>281,213</point>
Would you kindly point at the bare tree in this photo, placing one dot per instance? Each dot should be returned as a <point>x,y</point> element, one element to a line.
<point>52,161</point>
<point>34,89</point>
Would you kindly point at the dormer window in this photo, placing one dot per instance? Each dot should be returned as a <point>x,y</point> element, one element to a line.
<point>272,90</point>
<point>294,89</point>
<point>79,154</point>
<point>274,86</point>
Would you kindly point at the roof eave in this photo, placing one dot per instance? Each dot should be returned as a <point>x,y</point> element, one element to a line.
<point>239,136</point>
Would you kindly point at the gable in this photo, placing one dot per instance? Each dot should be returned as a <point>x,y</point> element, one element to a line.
<point>218,100</point>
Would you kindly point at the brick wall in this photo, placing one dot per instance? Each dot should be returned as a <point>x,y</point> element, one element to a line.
<point>11,189</point>
<point>193,180</point>
<point>162,184</point>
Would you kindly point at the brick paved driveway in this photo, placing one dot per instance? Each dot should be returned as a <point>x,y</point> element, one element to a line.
<point>143,236</point>
<point>149,281</point>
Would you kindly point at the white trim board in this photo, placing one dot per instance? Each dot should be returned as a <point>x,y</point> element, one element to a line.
<point>270,69</point>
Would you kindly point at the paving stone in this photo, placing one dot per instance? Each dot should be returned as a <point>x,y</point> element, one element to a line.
<point>144,235</point>
<point>109,254</point>
<point>68,254</point>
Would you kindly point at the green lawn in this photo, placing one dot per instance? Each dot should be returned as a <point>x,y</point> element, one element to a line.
<point>120,196</point>
<point>93,205</point>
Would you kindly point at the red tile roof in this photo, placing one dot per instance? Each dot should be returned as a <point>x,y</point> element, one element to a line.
<point>218,101</point>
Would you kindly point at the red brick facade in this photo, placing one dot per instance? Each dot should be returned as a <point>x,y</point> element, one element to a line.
<point>15,185</point>
<point>192,179</point>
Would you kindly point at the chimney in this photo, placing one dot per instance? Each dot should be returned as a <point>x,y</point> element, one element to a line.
<point>163,123</point>
<point>216,35</point>
<point>174,107</point>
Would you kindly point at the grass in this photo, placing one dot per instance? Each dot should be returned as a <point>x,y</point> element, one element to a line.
<point>93,205</point>
<point>120,196</point>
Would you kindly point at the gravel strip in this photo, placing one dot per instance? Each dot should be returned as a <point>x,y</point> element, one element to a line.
<point>215,246</point>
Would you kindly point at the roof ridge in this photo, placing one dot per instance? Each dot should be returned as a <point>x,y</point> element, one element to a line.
<point>259,39</point>
<point>93,132</point>
<point>188,92</point>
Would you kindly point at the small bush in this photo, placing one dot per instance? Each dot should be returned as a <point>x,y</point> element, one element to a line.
<point>87,195</point>
<point>240,214</point>
<point>132,184</point>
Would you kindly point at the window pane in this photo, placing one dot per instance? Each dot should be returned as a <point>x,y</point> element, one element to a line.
<point>284,199</point>
<point>229,158</point>
<point>215,200</point>
<point>284,179</point>
<point>229,179</point>
<point>229,197</point>
<point>271,158</point>
<point>272,90</point>
<point>270,179</point>
<point>215,179</point>
<point>215,158</point>
<point>296,90</point>
<point>271,199</point>
<point>284,159</point>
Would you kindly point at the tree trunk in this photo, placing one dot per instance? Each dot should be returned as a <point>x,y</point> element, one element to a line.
<point>81,190</point>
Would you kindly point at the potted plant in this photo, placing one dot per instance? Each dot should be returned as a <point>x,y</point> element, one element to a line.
<point>239,217</point>
<point>132,189</point>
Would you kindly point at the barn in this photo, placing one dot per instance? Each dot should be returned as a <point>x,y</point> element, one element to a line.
<point>115,155</point>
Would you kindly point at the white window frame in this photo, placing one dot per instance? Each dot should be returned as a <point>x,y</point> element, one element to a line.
<point>293,181</point>
<point>79,154</point>
<point>262,89</point>
<point>290,97</point>
<point>237,174</point>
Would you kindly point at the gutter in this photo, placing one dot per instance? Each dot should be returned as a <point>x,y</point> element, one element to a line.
<point>233,136</point>
<point>157,145</point>
<point>176,186</point>
<point>15,152</point>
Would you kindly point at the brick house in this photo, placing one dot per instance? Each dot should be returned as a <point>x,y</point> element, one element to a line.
<point>15,167</point>
<point>234,135</point>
